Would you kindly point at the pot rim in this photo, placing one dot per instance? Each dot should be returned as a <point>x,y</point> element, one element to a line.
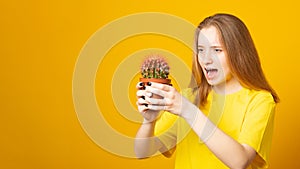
<point>157,80</point>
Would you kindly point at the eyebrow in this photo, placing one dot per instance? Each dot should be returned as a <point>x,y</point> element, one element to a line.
<point>214,46</point>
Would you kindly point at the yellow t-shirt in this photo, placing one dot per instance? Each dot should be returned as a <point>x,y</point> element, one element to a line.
<point>247,116</point>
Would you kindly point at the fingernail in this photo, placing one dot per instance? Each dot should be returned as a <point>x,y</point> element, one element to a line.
<point>143,97</point>
<point>149,83</point>
<point>141,84</point>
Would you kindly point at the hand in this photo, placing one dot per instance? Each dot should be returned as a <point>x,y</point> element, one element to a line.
<point>142,95</point>
<point>172,101</point>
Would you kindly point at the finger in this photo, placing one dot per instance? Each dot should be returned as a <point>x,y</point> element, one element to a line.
<point>148,94</point>
<point>140,93</point>
<point>158,108</point>
<point>162,102</point>
<point>159,92</point>
<point>142,108</point>
<point>142,101</point>
<point>140,85</point>
<point>161,86</point>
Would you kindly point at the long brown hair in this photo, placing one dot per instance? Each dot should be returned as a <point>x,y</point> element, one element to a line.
<point>242,56</point>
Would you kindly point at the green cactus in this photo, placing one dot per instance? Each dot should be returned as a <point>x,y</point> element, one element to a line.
<point>155,66</point>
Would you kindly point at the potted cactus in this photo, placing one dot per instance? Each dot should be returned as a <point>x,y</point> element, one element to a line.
<point>155,69</point>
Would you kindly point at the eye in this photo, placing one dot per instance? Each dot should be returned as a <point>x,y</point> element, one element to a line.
<point>218,50</point>
<point>200,50</point>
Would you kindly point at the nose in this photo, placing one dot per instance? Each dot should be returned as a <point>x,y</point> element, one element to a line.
<point>206,58</point>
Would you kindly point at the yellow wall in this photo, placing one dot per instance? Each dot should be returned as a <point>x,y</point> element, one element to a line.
<point>41,42</point>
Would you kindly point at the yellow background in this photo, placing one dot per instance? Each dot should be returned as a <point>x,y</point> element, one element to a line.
<point>41,41</point>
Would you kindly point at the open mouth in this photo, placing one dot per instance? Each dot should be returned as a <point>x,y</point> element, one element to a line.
<point>211,72</point>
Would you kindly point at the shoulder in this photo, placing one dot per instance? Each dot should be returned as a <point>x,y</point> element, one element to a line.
<point>253,96</point>
<point>259,101</point>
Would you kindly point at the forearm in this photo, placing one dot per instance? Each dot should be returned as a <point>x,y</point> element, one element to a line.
<point>229,151</point>
<point>146,144</point>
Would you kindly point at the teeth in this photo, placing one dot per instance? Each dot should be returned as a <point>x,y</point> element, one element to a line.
<point>209,70</point>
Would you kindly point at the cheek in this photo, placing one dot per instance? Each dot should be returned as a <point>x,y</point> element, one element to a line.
<point>225,67</point>
<point>200,62</point>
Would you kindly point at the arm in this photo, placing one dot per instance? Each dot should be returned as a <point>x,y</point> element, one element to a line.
<point>229,151</point>
<point>146,144</point>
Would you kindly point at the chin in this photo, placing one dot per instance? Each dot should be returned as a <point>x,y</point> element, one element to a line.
<point>216,82</point>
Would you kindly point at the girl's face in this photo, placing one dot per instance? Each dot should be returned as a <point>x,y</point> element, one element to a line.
<point>213,59</point>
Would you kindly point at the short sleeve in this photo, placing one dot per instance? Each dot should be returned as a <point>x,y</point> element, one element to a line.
<point>167,125</point>
<point>257,128</point>
<point>166,130</point>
